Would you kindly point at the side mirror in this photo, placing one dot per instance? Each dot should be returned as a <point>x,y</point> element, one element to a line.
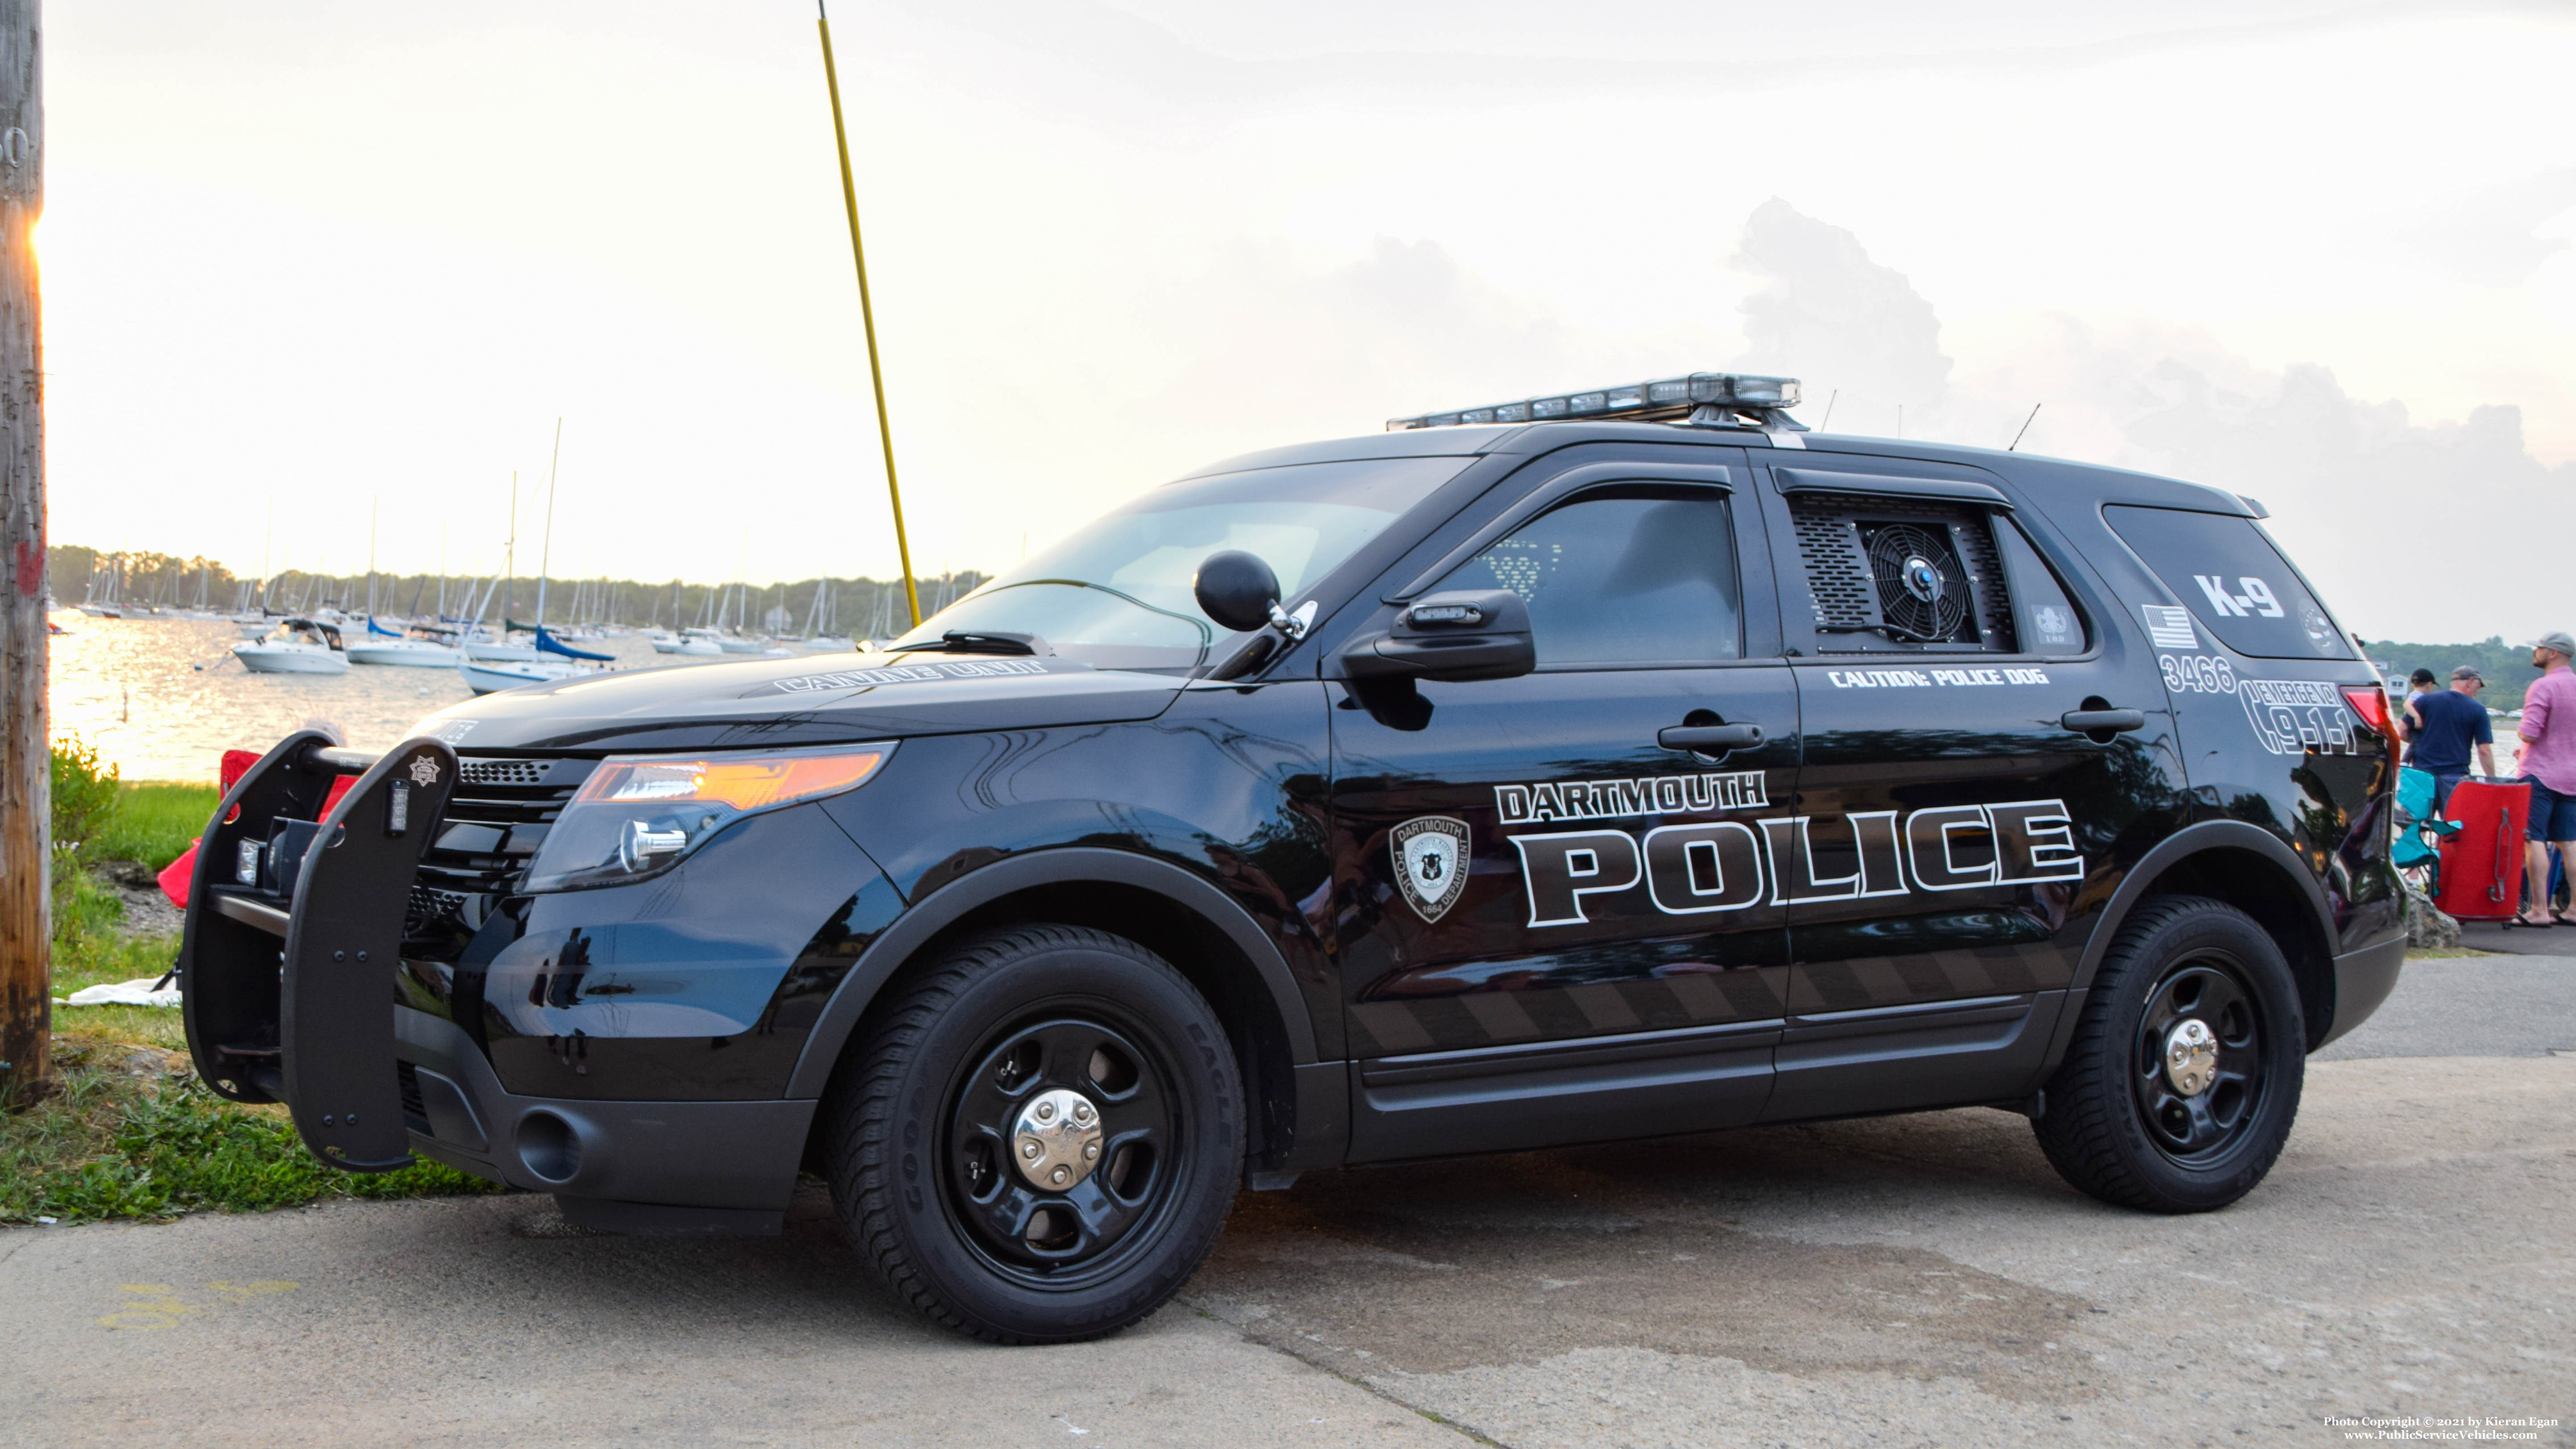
<point>1458,635</point>
<point>1236,589</point>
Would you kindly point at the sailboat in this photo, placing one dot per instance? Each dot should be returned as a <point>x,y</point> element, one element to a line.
<point>549,658</point>
<point>421,646</point>
<point>478,645</point>
<point>822,634</point>
<point>106,608</point>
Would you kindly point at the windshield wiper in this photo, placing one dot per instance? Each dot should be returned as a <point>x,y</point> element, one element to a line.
<point>978,641</point>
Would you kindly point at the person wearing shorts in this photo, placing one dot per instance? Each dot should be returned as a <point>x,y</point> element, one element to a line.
<point>2549,763</point>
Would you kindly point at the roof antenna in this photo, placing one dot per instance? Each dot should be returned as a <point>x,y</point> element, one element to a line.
<point>1829,410</point>
<point>2025,428</point>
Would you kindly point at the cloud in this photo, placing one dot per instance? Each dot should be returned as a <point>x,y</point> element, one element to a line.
<point>2490,235</point>
<point>1826,310</point>
<point>2417,530</point>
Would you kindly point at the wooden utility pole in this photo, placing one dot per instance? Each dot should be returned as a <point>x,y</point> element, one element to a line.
<point>26,759</point>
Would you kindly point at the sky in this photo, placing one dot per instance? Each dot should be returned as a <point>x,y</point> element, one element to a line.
<point>333,259</point>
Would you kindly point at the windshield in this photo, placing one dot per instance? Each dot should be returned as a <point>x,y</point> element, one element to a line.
<point>1117,593</point>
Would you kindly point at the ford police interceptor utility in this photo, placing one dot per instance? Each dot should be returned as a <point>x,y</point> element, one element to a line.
<point>1597,766</point>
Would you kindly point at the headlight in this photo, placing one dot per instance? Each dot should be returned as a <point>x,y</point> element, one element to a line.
<point>639,815</point>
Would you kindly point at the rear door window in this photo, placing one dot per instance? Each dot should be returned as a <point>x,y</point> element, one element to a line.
<point>2226,571</point>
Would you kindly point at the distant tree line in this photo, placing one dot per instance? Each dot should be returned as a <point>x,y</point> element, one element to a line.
<point>2506,667</point>
<point>858,606</point>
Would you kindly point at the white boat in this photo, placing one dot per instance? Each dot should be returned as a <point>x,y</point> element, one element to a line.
<point>831,644</point>
<point>419,648</point>
<point>663,641</point>
<point>736,644</point>
<point>491,650</point>
<point>700,643</point>
<point>296,646</point>
<point>484,676</point>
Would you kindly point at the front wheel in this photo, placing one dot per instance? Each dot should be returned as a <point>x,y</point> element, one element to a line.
<point>2178,1091</point>
<point>1037,1138</point>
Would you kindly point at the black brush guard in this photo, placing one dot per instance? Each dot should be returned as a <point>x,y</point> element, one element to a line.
<point>288,974</point>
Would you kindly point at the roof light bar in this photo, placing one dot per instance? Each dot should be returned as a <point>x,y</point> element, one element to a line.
<point>1665,399</point>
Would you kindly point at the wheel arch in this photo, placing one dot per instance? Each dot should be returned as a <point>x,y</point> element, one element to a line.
<point>2255,871</point>
<point>1201,931</point>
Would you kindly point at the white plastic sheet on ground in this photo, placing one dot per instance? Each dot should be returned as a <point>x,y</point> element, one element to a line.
<point>137,992</point>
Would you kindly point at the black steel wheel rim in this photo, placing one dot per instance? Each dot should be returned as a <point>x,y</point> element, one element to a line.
<point>2195,1129</point>
<point>1068,1237</point>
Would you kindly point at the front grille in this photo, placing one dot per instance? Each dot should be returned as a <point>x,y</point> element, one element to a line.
<point>494,822</point>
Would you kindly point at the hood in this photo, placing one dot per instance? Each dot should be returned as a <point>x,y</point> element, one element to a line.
<point>816,700</point>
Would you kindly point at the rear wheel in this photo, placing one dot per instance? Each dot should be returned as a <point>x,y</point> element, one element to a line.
<point>1037,1138</point>
<point>2178,1091</point>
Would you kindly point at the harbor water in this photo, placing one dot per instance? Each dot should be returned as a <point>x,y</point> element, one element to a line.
<point>163,699</point>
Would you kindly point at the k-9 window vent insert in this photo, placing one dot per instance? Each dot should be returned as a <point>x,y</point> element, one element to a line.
<point>1902,574</point>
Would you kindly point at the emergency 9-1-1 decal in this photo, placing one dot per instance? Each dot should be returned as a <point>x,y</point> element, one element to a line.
<point>1730,865</point>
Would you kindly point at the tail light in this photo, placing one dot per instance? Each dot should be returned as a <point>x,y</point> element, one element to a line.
<point>2371,703</point>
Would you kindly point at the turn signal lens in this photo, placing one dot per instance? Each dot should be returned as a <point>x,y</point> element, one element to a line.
<point>746,785</point>
<point>639,815</point>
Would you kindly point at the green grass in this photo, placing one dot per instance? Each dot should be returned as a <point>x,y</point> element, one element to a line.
<point>126,1130</point>
<point>129,1132</point>
<point>153,822</point>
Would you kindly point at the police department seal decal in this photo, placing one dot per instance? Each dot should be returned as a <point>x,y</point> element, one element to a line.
<point>1430,862</point>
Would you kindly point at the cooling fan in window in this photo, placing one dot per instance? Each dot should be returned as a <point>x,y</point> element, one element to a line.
<point>1922,590</point>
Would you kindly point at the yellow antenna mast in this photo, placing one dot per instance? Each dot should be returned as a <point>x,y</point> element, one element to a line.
<point>867,312</point>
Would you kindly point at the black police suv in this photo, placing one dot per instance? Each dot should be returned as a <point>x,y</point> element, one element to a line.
<point>1597,766</point>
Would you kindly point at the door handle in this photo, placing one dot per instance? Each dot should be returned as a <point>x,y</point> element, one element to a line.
<point>2103,721</point>
<point>1709,739</point>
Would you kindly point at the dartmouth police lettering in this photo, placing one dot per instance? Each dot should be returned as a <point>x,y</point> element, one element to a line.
<point>1645,795</point>
<point>1730,865</point>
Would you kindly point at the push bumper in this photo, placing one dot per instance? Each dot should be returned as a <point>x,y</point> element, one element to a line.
<point>294,931</point>
<point>294,935</point>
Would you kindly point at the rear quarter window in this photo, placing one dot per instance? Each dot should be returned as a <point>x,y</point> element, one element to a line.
<point>2226,571</point>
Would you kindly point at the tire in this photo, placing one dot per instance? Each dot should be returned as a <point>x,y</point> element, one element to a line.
<point>2122,1122</point>
<point>945,1085</point>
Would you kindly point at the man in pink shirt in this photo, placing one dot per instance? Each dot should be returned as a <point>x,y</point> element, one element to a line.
<point>2549,762</point>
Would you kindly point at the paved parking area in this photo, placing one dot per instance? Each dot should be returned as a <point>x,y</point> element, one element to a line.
<point>1914,1280</point>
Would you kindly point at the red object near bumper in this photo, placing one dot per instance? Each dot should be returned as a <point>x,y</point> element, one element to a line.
<point>174,879</point>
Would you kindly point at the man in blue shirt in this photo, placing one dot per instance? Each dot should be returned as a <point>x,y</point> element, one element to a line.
<point>2451,720</point>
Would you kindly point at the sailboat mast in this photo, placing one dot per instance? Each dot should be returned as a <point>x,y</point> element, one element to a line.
<point>509,558</point>
<point>546,550</point>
